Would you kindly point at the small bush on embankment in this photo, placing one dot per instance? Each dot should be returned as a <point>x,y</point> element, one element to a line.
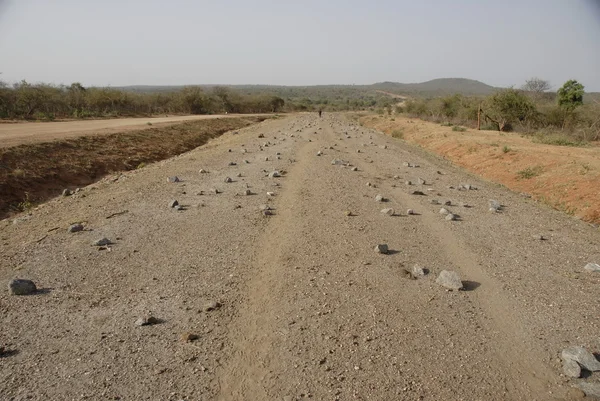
<point>34,173</point>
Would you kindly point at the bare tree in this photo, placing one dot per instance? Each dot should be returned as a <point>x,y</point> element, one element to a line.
<point>536,86</point>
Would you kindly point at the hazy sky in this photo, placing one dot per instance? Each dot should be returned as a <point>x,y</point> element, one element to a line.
<point>160,42</point>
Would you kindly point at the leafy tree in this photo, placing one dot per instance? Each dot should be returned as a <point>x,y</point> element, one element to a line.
<point>570,95</point>
<point>507,107</point>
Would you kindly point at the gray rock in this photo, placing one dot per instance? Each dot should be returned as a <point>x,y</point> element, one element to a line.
<point>274,174</point>
<point>382,248</point>
<point>173,203</point>
<point>408,182</point>
<point>102,242</point>
<point>435,202</point>
<point>354,169</point>
<point>319,153</point>
<point>406,164</point>
<point>590,389</point>
<point>67,192</point>
<point>379,198</point>
<point>494,204</point>
<point>450,280</point>
<point>388,211</point>
<point>21,287</point>
<point>248,192</point>
<point>444,211</point>
<point>146,321</point>
<point>539,237</point>
<point>265,207</point>
<point>74,228</point>
<point>211,306</point>
<point>571,368</point>
<point>417,193</point>
<point>448,203</point>
<point>203,171</point>
<point>592,267</point>
<point>450,217</point>
<point>417,271</point>
<point>173,179</point>
<point>228,180</point>
<point>420,181</point>
<point>410,212</point>
<point>339,162</point>
<point>586,359</point>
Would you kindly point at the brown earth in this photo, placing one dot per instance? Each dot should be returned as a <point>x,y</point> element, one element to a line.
<point>565,178</point>
<point>35,172</point>
<point>308,309</point>
<point>19,133</point>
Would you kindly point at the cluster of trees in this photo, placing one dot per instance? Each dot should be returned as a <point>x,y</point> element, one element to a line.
<point>529,109</point>
<point>47,102</point>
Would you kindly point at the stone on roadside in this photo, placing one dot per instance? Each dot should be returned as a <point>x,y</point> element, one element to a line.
<point>319,153</point>
<point>571,368</point>
<point>494,204</point>
<point>274,174</point>
<point>173,179</point>
<point>444,211</point>
<point>388,211</point>
<point>592,267</point>
<point>228,180</point>
<point>450,217</point>
<point>146,321</point>
<point>21,287</point>
<point>450,280</point>
<point>74,228</point>
<point>408,182</point>
<point>211,306</point>
<point>585,358</point>
<point>417,271</point>
<point>420,181</point>
<point>382,248</point>
<point>354,169</point>
<point>379,198</point>
<point>102,242</point>
<point>173,203</point>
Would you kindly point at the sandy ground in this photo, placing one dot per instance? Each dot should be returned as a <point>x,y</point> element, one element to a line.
<point>308,309</point>
<point>26,132</point>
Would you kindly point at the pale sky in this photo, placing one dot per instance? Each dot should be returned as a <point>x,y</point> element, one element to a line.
<point>309,42</point>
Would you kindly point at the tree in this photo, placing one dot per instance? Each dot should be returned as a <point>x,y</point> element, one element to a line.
<point>570,95</point>
<point>536,87</point>
<point>507,107</point>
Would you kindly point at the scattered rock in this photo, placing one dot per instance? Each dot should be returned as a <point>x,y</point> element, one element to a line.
<point>444,211</point>
<point>267,213</point>
<point>21,287</point>
<point>214,191</point>
<point>494,205</point>
<point>435,202</point>
<point>232,163</point>
<point>173,203</point>
<point>146,321</point>
<point>450,280</point>
<point>408,182</point>
<point>189,337</point>
<point>354,169</point>
<point>388,211</point>
<point>417,271</point>
<point>420,181</point>
<point>592,267</point>
<point>571,368</point>
<point>211,306</point>
<point>274,174</point>
<point>539,237</point>
<point>203,171</point>
<point>319,153</point>
<point>261,135</point>
<point>348,213</point>
<point>67,192</point>
<point>448,203</point>
<point>417,193</point>
<point>574,394</point>
<point>450,217</point>
<point>102,242</point>
<point>586,359</point>
<point>246,161</point>
<point>270,193</point>
<point>228,180</point>
<point>382,248</point>
<point>247,192</point>
<point>74,228</point>
<point>338,162</point>
<point>406,164</point>
<point>590,389</point>
<point>410,212</point>
<point>173,179</point>
<point>380,198</point>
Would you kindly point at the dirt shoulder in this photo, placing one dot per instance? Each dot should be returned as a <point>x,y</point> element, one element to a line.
<point>565,178</point>
<point>32,173</point>
<point>28,132</point>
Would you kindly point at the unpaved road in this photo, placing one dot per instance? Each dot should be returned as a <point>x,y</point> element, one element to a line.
<point>13,134</point>
<point>309,310</point>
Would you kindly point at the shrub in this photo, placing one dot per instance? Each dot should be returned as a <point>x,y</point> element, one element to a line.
<point>529,172</point>
<point>398,134</point>
<point>458,128</point>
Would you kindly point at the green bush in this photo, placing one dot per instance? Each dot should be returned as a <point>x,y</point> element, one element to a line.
<point>458,128</point>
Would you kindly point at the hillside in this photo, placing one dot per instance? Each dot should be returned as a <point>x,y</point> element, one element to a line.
<point>438,86</point>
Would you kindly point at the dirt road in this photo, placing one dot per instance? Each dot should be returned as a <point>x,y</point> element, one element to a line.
<point>300,306</point>
<point>25,132</point>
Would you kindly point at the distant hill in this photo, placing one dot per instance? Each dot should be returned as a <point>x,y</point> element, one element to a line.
<point>438,87</point>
